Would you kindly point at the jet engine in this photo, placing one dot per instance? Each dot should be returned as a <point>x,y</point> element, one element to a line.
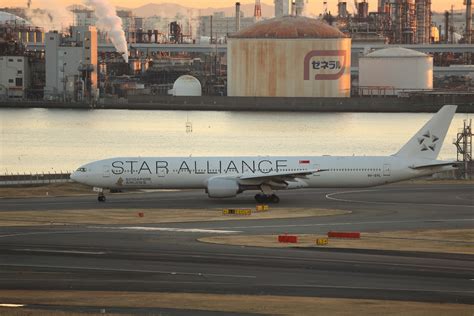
<point>222,188</point>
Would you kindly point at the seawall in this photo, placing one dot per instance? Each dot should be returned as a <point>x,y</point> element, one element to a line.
<point>425,103</point>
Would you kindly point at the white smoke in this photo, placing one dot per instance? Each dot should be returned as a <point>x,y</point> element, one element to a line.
<point>108,21</point>
<point>49,14</point>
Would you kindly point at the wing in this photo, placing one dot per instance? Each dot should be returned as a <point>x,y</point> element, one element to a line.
<point>277,179</point>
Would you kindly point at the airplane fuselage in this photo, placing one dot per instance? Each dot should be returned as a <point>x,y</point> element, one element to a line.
<point>194,172</point>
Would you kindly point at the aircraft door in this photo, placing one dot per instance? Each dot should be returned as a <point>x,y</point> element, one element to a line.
<point>161,172</point>
<point>386,170</point>
<point>106,171</point>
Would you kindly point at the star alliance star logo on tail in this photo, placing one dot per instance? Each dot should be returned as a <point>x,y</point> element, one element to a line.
<point>428,141</point>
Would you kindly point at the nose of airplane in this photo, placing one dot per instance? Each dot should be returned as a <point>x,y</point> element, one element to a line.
<point>73,176</point>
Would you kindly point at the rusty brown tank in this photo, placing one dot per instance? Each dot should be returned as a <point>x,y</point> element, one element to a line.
<point>289,56</point>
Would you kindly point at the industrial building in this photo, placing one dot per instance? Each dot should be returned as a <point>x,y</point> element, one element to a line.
<point>218,26</point>
<point>71,64</point>
<point>17,29</point>
<point>20,70</point>
<point>290,56</point>
<point>14,77</point>
<point>392,71</point>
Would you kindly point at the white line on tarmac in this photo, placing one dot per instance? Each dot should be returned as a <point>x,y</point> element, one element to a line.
<point>350,223</point>
<point>370,288</point>
<point>189,230</point>
<point>63,251</point>
<point>330,196</point>
<point>44,233</point>
<point>132,270</point>
<point>12,305</point>
<point>178,230</point>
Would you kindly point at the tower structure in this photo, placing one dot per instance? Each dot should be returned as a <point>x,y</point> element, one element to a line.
<point>257,12</point>
<point>468,4</point>
<point>282,8</point>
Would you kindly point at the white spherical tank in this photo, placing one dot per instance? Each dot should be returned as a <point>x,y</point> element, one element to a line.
<point>289,56</point>
<point>392,70</point>
<point>186,86</point>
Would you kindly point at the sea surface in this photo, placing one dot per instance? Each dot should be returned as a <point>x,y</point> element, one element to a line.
<point>60,140</point>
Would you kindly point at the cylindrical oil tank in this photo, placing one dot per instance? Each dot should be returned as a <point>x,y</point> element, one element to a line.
<point>289,56</point>
<point>393,70</point>
<point>186,86</point>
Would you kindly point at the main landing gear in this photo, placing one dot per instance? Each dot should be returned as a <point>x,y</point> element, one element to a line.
<point>267,198</point>
<point>101,197</point>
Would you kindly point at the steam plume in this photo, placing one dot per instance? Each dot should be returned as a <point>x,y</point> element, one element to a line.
<point>108,21</point>
<point>49,14</point>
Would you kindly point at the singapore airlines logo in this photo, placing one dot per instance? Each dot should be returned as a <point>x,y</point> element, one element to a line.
<point>428,141</point>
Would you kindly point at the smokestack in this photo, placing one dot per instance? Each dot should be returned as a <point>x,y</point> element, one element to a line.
<point>237,16</point>
<point>257,11</point>
<point>342,9</point>
<point>468,21</point>
<point>211,31</point>
<point>299,7</point>
<point>446,27</point>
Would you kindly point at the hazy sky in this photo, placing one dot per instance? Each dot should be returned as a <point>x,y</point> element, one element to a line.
<point>315,6</point>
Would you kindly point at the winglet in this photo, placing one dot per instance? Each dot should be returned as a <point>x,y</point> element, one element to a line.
<point>427,142</point>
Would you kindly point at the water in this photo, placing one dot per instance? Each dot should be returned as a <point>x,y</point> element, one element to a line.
<point>52,140</point>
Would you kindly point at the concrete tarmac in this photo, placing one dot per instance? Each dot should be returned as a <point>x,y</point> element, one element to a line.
<point>167,257</point>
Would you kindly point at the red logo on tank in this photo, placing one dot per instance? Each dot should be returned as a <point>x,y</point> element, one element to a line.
<point>325,62</point>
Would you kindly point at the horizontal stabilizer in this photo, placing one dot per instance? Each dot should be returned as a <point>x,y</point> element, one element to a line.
<point>454,164</point>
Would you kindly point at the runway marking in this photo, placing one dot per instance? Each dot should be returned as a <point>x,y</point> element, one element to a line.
<point>467,198</point>
<point>64,251</point>
<point>350,223</point>
<point>343,287</point>
<point>330,196</point>
<point>44,233</point>
<point>242,276</point>
<point>12,305</point>
<point>190,230</point>
<point>369,288</point>
<point>178,230</point>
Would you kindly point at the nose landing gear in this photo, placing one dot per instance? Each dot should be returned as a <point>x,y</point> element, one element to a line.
<point>101,197</point>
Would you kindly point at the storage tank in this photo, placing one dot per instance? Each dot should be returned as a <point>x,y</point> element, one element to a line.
<point>289,56</point>
<point>391,70</point>
<point>186,86</point>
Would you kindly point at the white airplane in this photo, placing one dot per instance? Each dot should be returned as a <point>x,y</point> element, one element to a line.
<point>225,177</point>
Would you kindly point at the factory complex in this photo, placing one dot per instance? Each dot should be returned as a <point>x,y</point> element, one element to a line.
<point>394,50</point>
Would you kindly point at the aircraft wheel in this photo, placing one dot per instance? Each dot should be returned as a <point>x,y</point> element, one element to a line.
<point>260,198</point>
<point>274,198</point>
<point>101,198</point>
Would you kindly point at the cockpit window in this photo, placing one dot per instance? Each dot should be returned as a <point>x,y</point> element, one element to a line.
<point>81,169</point>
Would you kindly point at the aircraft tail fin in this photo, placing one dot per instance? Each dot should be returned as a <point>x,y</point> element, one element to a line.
<point>427,142</point>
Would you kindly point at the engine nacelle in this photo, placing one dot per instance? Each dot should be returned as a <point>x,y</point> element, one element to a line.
<point>222,188</point>
<point>296,184</point>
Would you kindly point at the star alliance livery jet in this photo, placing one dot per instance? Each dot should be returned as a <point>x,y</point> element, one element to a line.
<point>225,177</point>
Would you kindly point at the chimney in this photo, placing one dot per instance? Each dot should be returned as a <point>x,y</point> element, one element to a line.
<point>468,21</point>
<point>237,16</point>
